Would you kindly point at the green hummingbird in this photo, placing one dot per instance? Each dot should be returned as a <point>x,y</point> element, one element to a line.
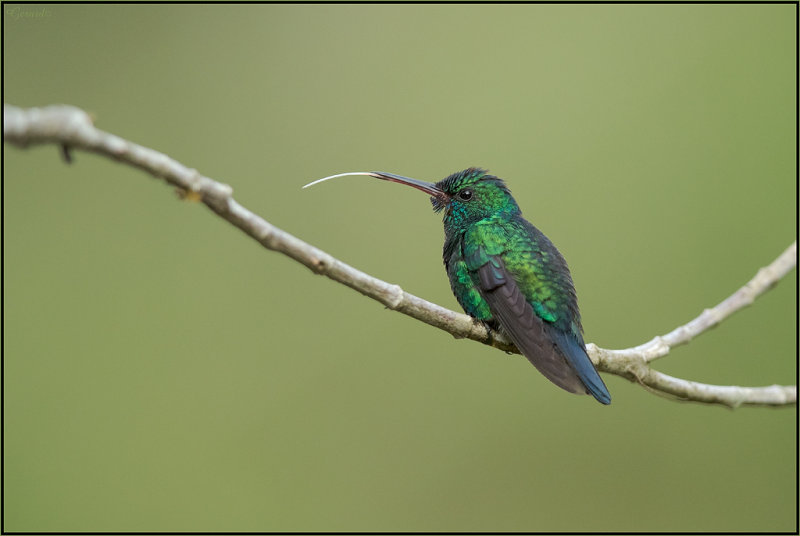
<point>505,273</point>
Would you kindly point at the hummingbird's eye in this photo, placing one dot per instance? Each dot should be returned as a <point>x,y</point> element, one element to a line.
<point>465,195</point>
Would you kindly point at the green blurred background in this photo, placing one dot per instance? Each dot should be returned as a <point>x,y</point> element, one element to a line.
<point>164,372</point>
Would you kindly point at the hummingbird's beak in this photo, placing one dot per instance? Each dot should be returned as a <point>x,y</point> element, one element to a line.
<point>427,187</point>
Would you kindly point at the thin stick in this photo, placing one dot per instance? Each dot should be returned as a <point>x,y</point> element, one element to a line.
<point>70,127</point>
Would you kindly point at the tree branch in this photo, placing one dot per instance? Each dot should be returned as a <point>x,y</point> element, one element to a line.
<point>71,128</point>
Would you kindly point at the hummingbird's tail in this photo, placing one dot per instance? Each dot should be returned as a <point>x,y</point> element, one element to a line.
<point>575,354</point>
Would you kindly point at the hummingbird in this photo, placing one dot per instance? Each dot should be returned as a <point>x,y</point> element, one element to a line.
<point>508,275</point>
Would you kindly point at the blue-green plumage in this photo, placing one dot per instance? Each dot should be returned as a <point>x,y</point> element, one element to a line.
<point>490,247</point>
<point>505,273</point>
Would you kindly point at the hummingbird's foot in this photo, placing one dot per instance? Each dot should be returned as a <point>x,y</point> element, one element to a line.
<point>488,327</point>
<point>491,329</point>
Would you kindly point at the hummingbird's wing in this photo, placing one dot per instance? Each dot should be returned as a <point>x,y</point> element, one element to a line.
<point>526,330</point>
<point>543,323</point>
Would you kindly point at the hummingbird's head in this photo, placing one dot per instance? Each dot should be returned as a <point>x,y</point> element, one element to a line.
<point>472,195</point>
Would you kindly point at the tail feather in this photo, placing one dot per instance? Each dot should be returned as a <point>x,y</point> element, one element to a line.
<point>575,354</point>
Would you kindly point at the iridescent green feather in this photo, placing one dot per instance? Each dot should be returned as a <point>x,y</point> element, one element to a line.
<point>495,259</point>
<point>528,257</point>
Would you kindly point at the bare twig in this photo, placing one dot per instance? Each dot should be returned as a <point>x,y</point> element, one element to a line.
<point>71,128</point>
